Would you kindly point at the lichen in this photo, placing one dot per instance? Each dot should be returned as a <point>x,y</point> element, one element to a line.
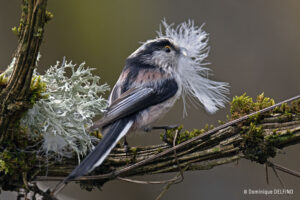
<point>62,107</point>
<point>64,117</point>
<point>7,73</point>
<point>62,110</point>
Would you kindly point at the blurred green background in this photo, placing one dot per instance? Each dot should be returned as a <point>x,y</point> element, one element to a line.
<point>255,47</point>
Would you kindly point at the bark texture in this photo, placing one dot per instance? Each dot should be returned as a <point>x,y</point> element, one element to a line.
<point>15,96</point>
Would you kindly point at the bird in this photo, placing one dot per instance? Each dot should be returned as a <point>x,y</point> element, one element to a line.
<point>154,77</point>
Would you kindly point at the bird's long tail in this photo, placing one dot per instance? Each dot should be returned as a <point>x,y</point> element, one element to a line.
<point>116,131</point>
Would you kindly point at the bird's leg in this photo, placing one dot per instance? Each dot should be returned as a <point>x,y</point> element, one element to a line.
<point>126,145</point>
<point>166,128</point>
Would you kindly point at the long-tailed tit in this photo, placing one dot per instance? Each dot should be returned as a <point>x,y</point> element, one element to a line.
<point>153,79</point>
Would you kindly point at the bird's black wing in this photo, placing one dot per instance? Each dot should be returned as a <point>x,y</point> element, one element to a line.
<point>137,99</point>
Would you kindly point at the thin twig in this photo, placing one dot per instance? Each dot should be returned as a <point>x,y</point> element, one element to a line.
<point>275,172</point>
<point>267,173</point>
<point>176,158</point>
<point>284,169</point>
<point>165,189</point>
<point>145,182</point>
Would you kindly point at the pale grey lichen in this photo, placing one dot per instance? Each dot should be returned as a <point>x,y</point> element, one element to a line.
<point>9,70</point>
<point>64,117</point>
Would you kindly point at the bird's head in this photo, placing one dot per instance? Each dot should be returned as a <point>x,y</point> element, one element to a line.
<point>183,50</point>
<point>160,52</point>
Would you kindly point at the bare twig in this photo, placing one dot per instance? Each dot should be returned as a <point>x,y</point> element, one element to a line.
<point>165,189</point>
<point>176,177</point>
<point>278,177</point>
<point>176,158</point>
<point>267,173</point>
<point>170,183</point>
<point>145,182</point>
<point>284,169</point>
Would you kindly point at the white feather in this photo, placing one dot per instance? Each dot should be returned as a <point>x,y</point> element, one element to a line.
<point>192,76</point>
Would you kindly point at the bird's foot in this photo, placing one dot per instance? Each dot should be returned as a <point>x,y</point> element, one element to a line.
<point>166,128</point>
<point>126,147</point>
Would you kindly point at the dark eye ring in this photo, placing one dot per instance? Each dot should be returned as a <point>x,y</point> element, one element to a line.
<point>167,49</point>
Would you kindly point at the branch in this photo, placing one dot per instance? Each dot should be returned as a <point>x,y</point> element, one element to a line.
<point>14,98</point>
<point>16,95</point>
<point>256,137</point>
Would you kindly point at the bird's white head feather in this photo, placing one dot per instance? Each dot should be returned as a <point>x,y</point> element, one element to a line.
<point>192,74</point>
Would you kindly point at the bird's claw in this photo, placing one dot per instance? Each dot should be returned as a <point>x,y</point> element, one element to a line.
<point>126,146</point>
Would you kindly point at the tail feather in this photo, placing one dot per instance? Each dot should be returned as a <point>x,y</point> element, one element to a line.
<point>116,131</point>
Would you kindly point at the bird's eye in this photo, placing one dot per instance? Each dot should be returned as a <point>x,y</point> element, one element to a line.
<point>167,49</point>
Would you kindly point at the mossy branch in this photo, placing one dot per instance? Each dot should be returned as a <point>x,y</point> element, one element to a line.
<point>256,138</point>
<point>15,95</point>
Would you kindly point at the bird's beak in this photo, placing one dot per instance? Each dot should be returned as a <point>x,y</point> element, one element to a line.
<point>184,51</point>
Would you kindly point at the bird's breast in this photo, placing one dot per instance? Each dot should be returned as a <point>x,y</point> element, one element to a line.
<point>147,117</point>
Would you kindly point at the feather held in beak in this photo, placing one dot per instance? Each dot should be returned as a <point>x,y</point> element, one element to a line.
<point>191,73</point>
